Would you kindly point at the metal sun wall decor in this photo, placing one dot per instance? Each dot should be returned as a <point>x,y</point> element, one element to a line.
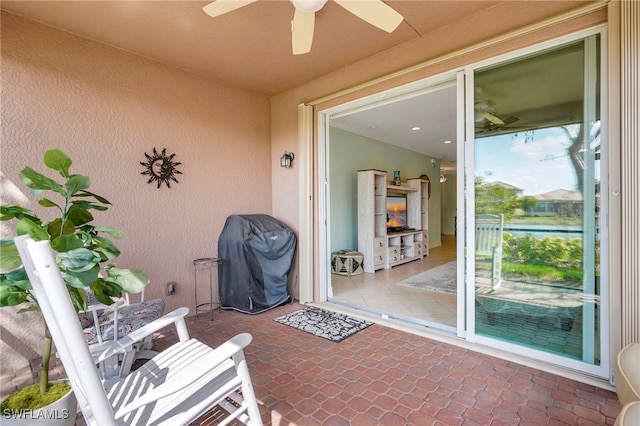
<point>160,168</point>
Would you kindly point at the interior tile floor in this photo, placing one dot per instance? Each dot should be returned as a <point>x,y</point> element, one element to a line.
<point>384,376</point>
<point>381,292</point>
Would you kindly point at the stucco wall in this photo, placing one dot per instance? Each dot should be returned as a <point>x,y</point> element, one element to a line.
<point>106,108</point>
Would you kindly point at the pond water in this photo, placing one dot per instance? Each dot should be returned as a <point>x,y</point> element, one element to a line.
<point>541,231</point>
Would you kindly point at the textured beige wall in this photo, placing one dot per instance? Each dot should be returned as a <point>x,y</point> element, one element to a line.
<point>106,108</point>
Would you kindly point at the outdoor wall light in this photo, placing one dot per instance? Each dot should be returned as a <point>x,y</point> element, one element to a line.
<point>286,159</point>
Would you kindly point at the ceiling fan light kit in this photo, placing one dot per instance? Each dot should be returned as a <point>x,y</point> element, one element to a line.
<point>375,12</point>
<point>308,5</point>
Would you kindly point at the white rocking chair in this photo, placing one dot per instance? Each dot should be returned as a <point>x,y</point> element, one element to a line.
<point>489,243</point>
<point>104,325</point>
<point>175,387</point>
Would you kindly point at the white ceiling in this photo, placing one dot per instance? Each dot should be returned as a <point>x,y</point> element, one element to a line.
<point>251,46</point>
<point>434,113</point>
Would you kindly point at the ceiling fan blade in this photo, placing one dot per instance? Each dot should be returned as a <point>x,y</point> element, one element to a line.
<point>510,120</point>
<point>492,118</point>
<point>302,31</point>
<point>220,7</point>
<point>374,12</point>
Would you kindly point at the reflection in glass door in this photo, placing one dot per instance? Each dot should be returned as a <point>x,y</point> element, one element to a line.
<point>537,201</point>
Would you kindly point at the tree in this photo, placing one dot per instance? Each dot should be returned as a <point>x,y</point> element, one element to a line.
<point>492,198</point>
<point>528,203</point>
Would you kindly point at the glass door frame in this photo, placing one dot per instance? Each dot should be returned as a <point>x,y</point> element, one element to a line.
<point>468,176</point>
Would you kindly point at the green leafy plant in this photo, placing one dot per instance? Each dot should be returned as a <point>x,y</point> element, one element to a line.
<point>493,198</point>
<point>84,250</point>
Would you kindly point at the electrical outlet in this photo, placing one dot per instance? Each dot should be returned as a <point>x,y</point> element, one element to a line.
<point>171,288</point>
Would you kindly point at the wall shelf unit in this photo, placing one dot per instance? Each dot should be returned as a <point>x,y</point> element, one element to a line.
<point>383,249</point>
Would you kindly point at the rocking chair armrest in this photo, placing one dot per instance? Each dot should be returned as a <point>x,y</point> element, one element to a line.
<point>220,355</point>
<point>97,309</point>
<point>125,344</point>
<point>101,306</point>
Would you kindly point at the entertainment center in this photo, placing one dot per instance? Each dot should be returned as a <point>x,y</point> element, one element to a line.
<point>393,220</point>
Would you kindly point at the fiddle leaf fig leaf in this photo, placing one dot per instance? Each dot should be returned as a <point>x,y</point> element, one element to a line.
<point>37,181</point>
<point>11,296</point>
<point>109,250</point>
<point>9,257</point>
<point>78,297</point>
<point>45,202</point>
<point>78,215</point>
<point>114,232</point>
<point>27,226</point>
<point>104,291</point>
<point>57,227</point>
<point>16,278</point>
<point>32,308</point>
<point>57,160</point>
<point>77,258</point>
<point>96,196</point>
<point>87,205</point>
<point>130,280</point>
<point>77,183</point>
<point>17,212</point>
<point>67,242</point>
<point>82,279</point>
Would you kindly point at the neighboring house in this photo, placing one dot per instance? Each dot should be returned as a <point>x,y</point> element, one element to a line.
<point>514,189</point>
<point>560,202</point>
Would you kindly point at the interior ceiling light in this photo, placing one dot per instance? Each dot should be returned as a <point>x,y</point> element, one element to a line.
<point>447,141</point>
<point>415,128</point>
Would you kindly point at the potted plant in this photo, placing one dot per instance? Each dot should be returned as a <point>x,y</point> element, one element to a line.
<point>84,256</point>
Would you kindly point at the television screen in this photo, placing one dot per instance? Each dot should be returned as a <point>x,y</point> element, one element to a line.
<point>396,212</point>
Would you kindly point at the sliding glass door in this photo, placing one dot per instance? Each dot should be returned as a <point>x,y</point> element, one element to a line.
<point>531,201</point>
<point>535,210</point>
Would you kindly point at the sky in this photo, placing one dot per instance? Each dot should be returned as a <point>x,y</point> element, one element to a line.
<point>536,166</point>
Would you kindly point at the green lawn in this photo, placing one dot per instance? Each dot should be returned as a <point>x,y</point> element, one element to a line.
<point>543,274</point>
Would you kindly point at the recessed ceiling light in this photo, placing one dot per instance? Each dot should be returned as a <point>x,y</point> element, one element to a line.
<point>447,141</point>
<point>415,128</point>
<point>373,127</point>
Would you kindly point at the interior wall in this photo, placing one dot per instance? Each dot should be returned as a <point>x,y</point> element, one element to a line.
<point>449,204</point>
<point>349,153</point>
<point>106,108</point>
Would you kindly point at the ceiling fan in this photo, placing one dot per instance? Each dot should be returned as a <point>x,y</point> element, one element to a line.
<point>488,120</point>
<point>374,12</point>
